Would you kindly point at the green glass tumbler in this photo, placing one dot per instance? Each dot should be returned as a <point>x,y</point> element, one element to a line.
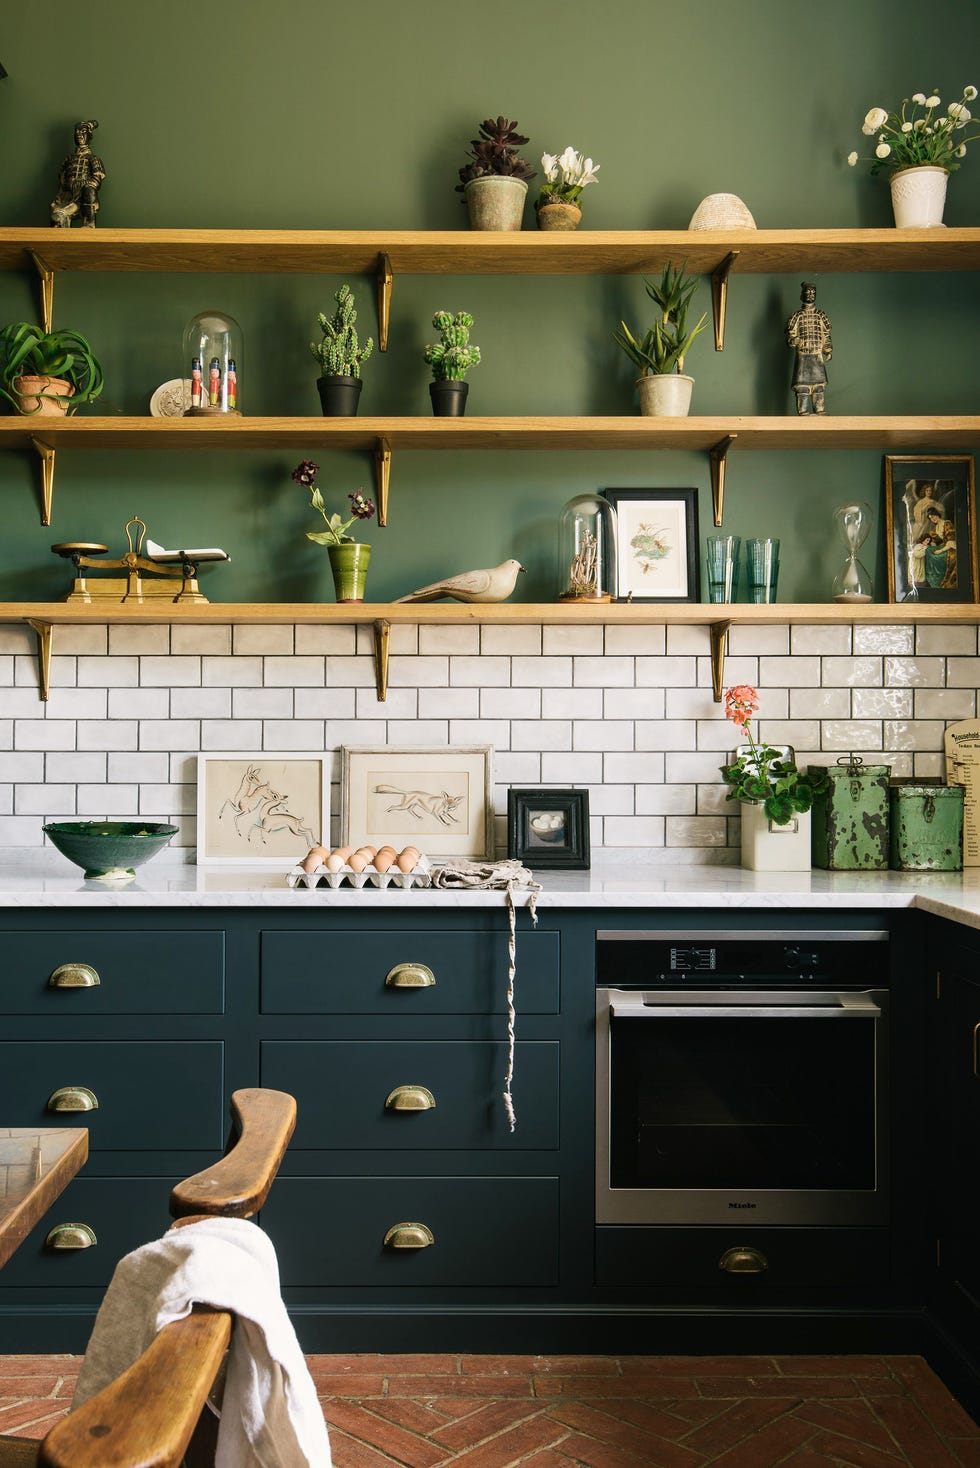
<point>762,569</point>
<point>722,554</point>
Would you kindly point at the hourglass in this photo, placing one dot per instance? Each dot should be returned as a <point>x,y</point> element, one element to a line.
<point>853,582</point>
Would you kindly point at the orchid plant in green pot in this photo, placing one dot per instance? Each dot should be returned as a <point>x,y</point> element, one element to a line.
<point>349,559</point>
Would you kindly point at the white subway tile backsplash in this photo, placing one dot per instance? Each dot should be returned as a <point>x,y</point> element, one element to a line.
<point>852,734</point>
<point>194,641</point>
<point>881,703</point>
<point>645,767</point>
<point>109,672</point>
<point>575,640</point>
<point>400,703</point>
<point>64,672</point>
<point>694,769</point>
<point>74,767</point>
<point>106,734</point>
<point>263,640</point>
<point>27,765</point>
<point>635,641</point>
<point>351,672</point>
<point>6,800</point>
<point>449,703</point>
<point>666,672</point>
<point>663,800</point>
<point>613,800</point>
<point>603,672</point>
<point>138,641</point>
<point>577,770</point>
<point>821,703</point>
<point>293,734</point>
<point>17,639</point>
<point>308,703</point>
<point>137,769</point>
<point>633,830</point>
<point>925,767</point>
<point>541,672</point>
<point>20,703</point>
<point>817,639</point>
<point>522,640</point>
<point>513,703</point>
<point>874,639</point>
<point>945,641</point>
<point>631,703</point>
<point>603,734</point>
<point>922,735</point>
<point>517,767</point>
<point>696,831</point>
<point>416,672</point>
<point>915,672</point>
<point>800,733</point>
<point>944,703</point>
<point>6,733</point>
<point>202,703</point>
<point>683,640</point>
<point>40,734</point>
<point>962,672</point>
<point>179,734</point>
<point>792,672</point>
<point>420,733</point>
<point>477,672</point>
<point>108,800</point>
<point>137,703</point>
<point>666,734</point>
<point>293,672</point>
<point>455,641</point>
<point>77,703</point>
<point>164,802</point>
<point>541,734</point>
<point>253,703</point>
<point>495,732</point>
<point>314,639</point>
<point>853,672</point>
<point>76,640</point>
<point>23,830</point>
<point>170,672</point>
<point>355,731</point>
<point>231,672</point>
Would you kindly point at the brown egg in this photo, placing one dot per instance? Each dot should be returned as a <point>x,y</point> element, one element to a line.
<point>387,851</point>
<point>408,860</point>
<point>357,862</point>
<point>334,862</point>
<point>383,860</point>
<point>369,851</point>
<point>343,851</point>
<point>314,858</point>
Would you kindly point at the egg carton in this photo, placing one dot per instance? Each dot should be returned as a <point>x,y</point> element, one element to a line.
<point>347,877</point>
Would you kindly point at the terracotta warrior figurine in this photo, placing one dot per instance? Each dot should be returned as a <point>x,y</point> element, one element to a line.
<point>79,181</point>
<point>808,332</point>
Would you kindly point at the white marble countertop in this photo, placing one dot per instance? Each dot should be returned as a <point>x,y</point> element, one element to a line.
<point>954,895</point>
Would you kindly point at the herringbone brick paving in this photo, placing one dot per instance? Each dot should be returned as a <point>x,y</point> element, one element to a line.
<point>449,1411</point>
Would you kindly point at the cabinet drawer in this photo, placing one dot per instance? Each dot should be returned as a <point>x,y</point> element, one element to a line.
<point>824,1257</point>
<point>122,1213</point>
<point>341,1088</point>
<point>345,972</point>
<point>486,1231</point>
<point>150,1093</point>
<point>139,973</point>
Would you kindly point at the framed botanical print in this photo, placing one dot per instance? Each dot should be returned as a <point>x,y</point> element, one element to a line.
<point>656,544</point>
<point>931,527</point>
<point>261,810</point>
<point>440,799</point>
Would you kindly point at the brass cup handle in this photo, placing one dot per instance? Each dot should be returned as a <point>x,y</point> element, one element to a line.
<point>71,1236</point>
<point>743,1260</point>
<point>74,976</point>
<point>408,1236</point>
<point>410,1098</point>
<point>73,1098</point>
<point>410,976</point>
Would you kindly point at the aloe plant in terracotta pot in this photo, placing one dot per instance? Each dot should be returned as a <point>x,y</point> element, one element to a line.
<point>43,373</point>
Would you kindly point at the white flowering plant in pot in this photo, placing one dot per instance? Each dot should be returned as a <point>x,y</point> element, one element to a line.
<point>566,175</point>
<point>921,134</point>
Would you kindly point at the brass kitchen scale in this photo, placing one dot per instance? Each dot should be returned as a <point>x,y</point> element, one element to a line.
<point>149,577</point>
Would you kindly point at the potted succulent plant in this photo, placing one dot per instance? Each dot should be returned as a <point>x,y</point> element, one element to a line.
<point>495,183</point>
<point>340,358</point>
<point>450,360</point>
<point>47,372</point>
<point>348,559</point>
<point>664,389</point>
<point>566,176</point>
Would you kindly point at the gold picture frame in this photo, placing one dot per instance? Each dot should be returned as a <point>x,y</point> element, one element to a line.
<point>931,528</point>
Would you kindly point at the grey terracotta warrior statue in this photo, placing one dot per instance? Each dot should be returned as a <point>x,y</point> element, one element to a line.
<point>79,181</point>
<point>808,333</point>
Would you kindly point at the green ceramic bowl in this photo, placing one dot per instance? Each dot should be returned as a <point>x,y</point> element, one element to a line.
<point>109,849</point>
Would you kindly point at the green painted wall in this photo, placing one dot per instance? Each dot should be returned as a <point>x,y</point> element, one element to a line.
<point>309,114</point>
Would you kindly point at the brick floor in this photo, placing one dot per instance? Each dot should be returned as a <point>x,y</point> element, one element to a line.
<point>430,1411</point>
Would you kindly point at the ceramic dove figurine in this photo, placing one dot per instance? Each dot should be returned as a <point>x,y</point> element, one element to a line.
<point>494,584</point>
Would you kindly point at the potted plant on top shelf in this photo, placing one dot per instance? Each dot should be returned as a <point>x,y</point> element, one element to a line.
<point>566,176</point>
<point>340,357</point>
<point>44,373</point>
<point>495,183</point>
<point>665,390</point>
<point>919,151</point>
<point>450,361</point>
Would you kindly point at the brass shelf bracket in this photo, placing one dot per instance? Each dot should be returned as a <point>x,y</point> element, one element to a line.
<point>46,278</point>
<point>382,643</point>
<point>719,644</point>
<point>45,633</point>
<point>719,297</point>
<point>45,453</point>
<point>385,283</point>
<point>719,458</point>
<point>382,476</point>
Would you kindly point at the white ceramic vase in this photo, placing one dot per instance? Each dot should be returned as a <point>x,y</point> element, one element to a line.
<point>918,197</point>
<point>767,847</point>
<point>665,394</point>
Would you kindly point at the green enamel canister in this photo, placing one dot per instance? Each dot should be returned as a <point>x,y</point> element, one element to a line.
<point>851,818</point>
<point>927,826</point>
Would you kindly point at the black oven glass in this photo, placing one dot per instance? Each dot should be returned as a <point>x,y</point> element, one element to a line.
<point>742,1103</point>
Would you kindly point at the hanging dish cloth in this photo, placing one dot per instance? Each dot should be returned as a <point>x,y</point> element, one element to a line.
<point>510,877</point>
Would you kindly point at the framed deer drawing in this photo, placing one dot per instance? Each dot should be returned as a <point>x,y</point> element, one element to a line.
<point>261,810</point>
<point>439,800</point>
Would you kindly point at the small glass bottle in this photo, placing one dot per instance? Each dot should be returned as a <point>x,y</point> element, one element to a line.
<point>587,550</point>
<point>213,352</point>
<point>853,581</point>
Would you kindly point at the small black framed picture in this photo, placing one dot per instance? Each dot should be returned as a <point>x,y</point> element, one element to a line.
<point>656,544</point>
<point>930,526</point>
<point>549,828</point>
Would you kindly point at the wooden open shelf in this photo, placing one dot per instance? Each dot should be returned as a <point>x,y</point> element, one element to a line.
<point>382,616</point>
<point>716,436</point>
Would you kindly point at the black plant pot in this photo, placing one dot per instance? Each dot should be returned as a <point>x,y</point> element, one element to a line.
<point>339,396</point>
<point>448,398</point>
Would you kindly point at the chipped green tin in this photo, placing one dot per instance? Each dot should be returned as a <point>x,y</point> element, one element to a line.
<point>851,818</point>
<point>927,826</point>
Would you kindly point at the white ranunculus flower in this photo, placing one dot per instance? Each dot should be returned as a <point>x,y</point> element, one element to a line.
<point>961,151</point>
<point>961,115</point>
<point>933,101</point>
<point>882,150</point>
<point>920,123</point>
<point>969,93</point>
<point>906,127</point>
<point>875,119</point>
<point>920,99</point>
<point>852,159</point>
<point>549,164</point>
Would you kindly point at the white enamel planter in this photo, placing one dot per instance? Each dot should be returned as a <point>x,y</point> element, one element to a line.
<point>767,847</point>
<point>919,197</point>
<point>665,395</point>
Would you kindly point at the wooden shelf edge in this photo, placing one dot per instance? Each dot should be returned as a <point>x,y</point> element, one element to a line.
<point>433,613</point>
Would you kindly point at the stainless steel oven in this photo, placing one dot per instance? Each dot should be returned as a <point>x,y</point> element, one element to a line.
<point>742,1075</point>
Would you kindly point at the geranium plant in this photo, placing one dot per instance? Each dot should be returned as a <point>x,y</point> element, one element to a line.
<point>920,134</point>
<point>566,175</point>
<point>336,532</point>
<point>764,775</point>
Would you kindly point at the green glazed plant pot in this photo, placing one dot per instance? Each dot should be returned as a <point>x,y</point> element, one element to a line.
<point>349,565</point>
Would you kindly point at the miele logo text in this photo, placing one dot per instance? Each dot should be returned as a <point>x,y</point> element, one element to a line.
<point>741,1205</point>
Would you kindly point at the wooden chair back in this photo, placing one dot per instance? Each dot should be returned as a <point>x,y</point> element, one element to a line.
<point>153,1415</point>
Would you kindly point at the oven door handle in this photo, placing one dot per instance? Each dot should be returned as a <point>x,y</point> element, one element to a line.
<point>836,1006</point>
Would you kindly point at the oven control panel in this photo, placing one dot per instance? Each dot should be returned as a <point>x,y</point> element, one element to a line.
<point>855,958</point>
